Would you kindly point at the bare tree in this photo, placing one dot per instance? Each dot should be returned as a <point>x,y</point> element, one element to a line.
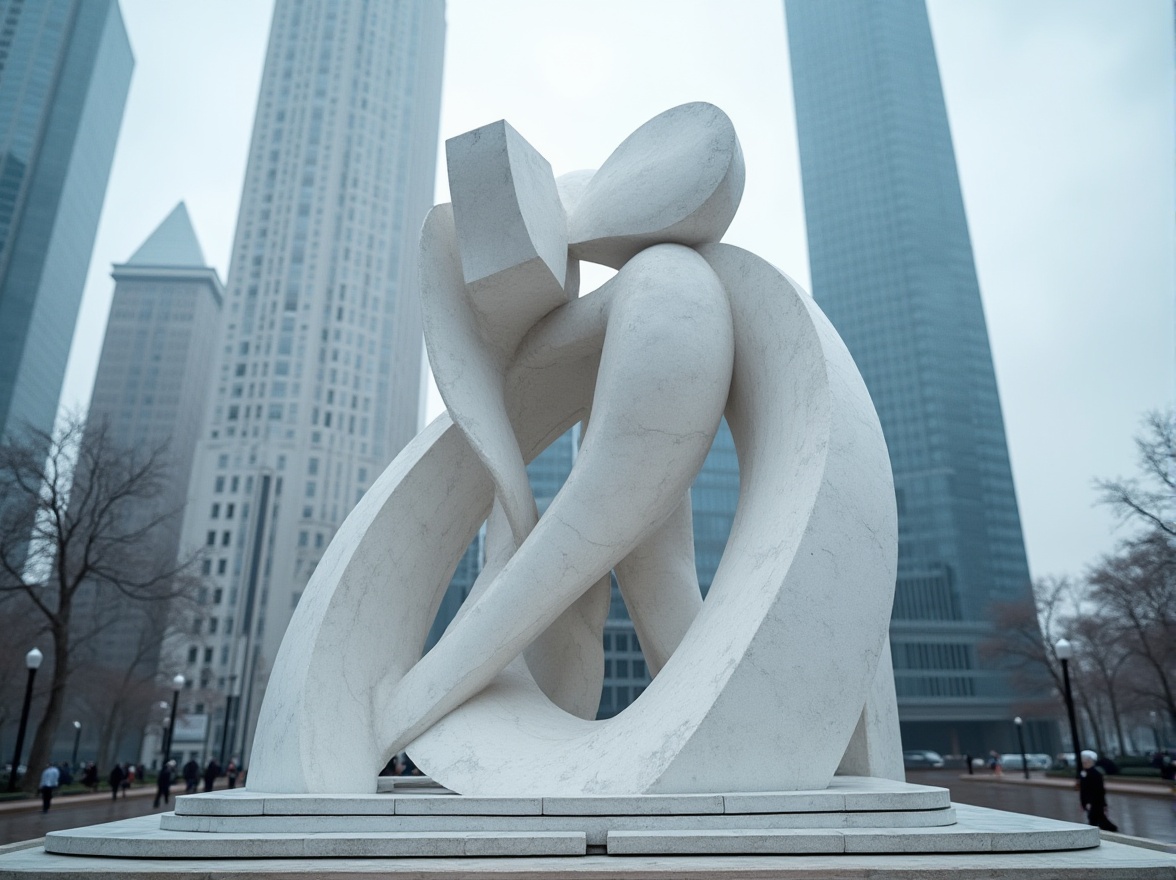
<point>1137,588</point>
<point>1149,499</point>
<point>81,517</point>
<point>1025,631</point>
<point>1103,657</point>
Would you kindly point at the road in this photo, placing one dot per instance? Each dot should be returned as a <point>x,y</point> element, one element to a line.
<point>1138,815</point>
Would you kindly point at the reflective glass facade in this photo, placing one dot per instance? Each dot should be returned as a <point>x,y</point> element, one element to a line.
<point>65,68</point>
<point>892,267</point>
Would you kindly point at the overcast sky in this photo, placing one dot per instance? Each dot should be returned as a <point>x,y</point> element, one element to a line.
<point>1061,112</point>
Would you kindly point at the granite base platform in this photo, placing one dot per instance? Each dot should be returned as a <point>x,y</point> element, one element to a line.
<point>855,828</point>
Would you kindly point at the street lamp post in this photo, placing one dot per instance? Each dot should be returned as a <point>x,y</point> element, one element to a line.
<point>1021,742</point>
<point>73,764</point>
<point>32,662</point>
<point>177,684</point>
<point>1065,651</point>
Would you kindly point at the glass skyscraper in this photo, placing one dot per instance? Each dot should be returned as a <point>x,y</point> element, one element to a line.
<point>65,68</point>
<point>892,267</point>
<point>317,378</point>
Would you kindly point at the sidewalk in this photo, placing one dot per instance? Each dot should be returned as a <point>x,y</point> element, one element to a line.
<point>1114,786</point>
<point>34,802</point>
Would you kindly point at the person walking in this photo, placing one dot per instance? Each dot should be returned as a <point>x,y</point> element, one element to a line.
<point>116,780</point>
<point>163,783</point>
<point>995,764</point>
<point>191,776</point>
<point>50,779</point>
<point>90,777</point>
<point>231,772</point>
<point>211,772</point>
<point>1092,791</point>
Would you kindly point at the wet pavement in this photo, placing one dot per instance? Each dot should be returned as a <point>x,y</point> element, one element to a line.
<point>16,825</point>
<point>1137,815</point>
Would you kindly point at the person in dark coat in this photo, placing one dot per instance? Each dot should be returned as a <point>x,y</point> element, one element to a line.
<point>90,777</point>
<point>163,782</point>
<point>211,772</point>
<point>191,776</point>
<point>1093,793</point>
<point>116,781</point>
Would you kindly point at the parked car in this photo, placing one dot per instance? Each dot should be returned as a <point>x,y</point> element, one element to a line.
<point>1035,761</point>
<point>922,759</point>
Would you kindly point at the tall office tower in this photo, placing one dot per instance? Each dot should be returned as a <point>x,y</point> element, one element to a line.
<point>318,376</point>
<point>65,68</point>
<point>150,392</point>
<point>892,268</point>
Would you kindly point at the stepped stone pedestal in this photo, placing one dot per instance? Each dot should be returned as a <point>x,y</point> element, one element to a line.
<point>857,827</point>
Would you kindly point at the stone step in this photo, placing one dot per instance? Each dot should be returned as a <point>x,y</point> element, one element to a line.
<point>596,827</point>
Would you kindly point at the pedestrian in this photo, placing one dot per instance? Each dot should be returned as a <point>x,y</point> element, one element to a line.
<point>1093,793</point>
<point>116,780</point>
<point>191,776</point>
<point>50,779</point>
<point>968,761</point>
<point>994,763</point>
<point>211,772</point>
<point>163,783</point>
<point>129,773</point>
<point>231,772</point>
<point>90,776</point>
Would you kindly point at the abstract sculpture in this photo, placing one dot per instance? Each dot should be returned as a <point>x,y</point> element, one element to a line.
<point>781,676</point>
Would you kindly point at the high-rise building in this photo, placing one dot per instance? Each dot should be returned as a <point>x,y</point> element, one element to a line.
<point>317,378</point>
<point>65,68</point>
<point>892,267</point>
<point>150,393</point>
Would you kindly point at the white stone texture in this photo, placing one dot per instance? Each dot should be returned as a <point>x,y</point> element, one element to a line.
<point>875,749</point>
<point>511,229</point>
<point>978,831</point>
<point>799,606</point>
<point>1111,861</point>
<point>678,178</point>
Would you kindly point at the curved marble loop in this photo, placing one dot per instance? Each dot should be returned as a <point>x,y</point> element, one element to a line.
<point>676,179</point>
<point>797,612</point>
<point>567,658</point>
<point>784,652</point>
<point>665,369</point>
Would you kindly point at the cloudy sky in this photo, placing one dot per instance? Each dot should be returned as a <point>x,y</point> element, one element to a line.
<point>1061,111</point>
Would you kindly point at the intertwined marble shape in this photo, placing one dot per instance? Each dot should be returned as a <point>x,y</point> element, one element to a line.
<point>778,679</point>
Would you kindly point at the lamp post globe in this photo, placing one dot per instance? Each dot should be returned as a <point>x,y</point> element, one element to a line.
<point>178,685</point>
<point>32,663</point>
<point>1019,724</point>
<point>77,738</point>
<point>1065,651</point>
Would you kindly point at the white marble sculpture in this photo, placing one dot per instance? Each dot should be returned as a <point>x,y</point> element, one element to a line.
<point>774,682</point>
